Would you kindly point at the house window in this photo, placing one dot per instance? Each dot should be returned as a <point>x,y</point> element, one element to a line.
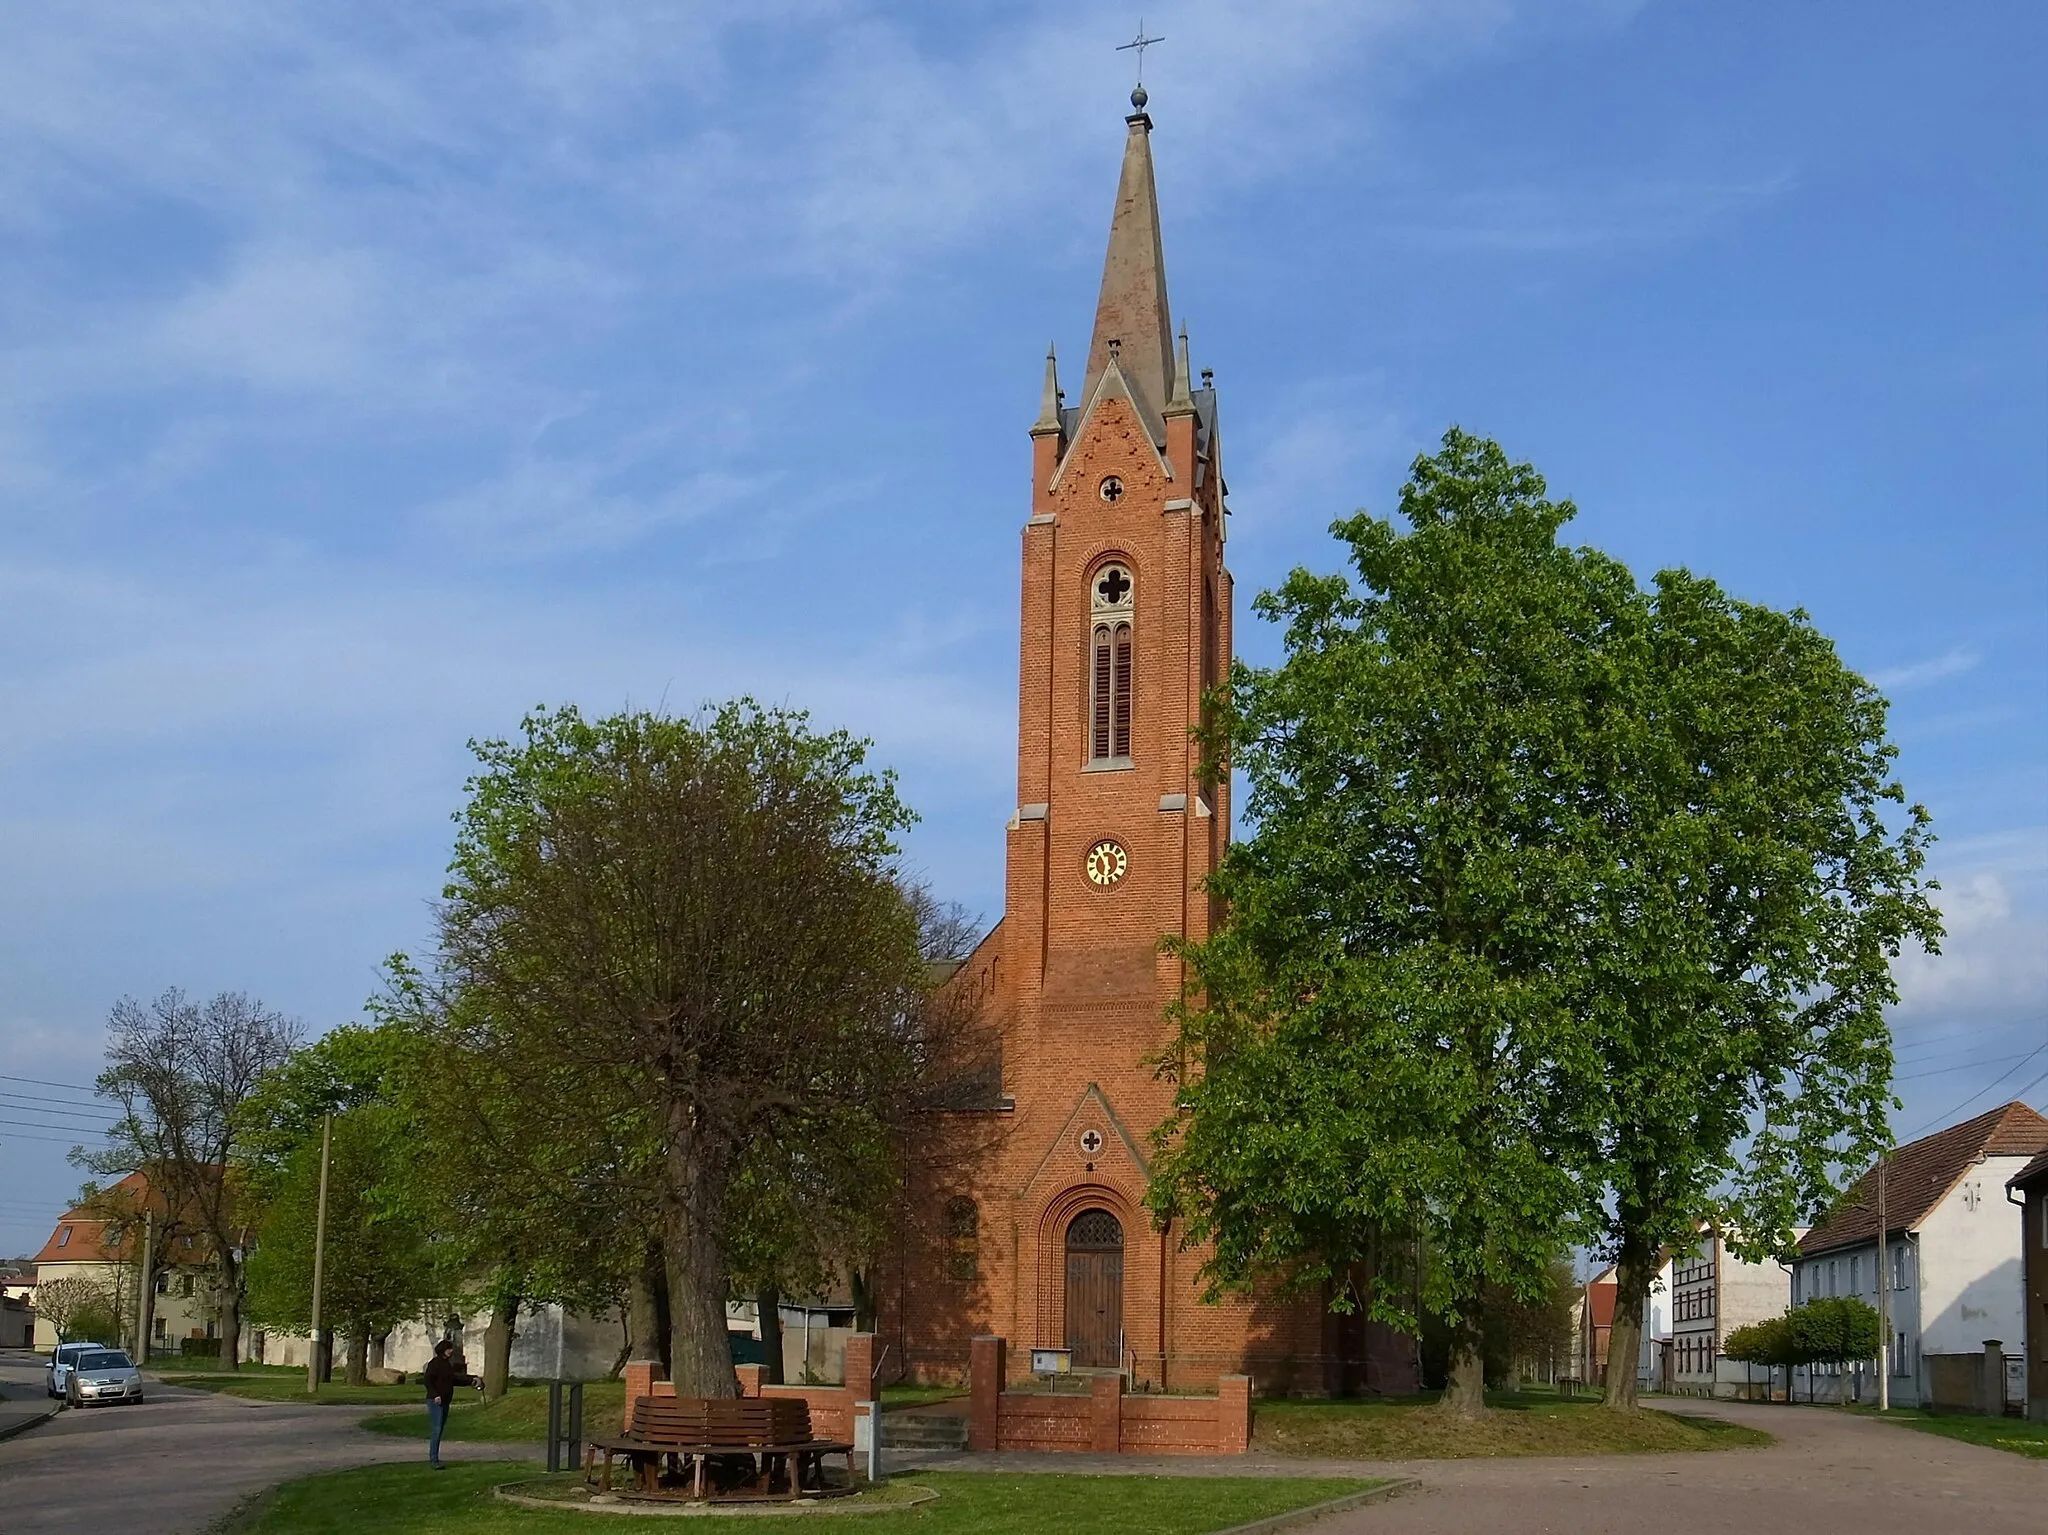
<point>1110,609</point>
<point>64,1237</point>
<point>963,1239</point>
<point>1856,1274</point>
<point>1831,1276</point>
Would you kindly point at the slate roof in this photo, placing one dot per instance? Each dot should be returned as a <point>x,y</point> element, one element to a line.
<point>1919,1175</point>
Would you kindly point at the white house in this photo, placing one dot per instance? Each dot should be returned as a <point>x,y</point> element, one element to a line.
<point>1953,1256</point>
<point>1713,1292</point>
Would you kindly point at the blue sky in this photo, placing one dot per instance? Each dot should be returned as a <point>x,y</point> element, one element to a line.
<point>370,373</point>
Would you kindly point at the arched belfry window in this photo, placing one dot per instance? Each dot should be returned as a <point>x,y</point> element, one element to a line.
<point>1109,675</point>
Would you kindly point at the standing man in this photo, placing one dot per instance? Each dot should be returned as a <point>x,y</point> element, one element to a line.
<point>440,1378</point>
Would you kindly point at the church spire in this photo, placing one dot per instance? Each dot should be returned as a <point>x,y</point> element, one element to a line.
<point>1132,307</point>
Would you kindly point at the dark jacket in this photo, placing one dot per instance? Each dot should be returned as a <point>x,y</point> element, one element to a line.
<point>440,1378</point>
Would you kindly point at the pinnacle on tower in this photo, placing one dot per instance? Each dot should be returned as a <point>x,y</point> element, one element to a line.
<point>1049,401</point>
<point>1132,307</point>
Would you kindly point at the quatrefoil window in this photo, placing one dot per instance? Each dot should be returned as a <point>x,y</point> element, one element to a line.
<point>1111,490</point>
<point>1113,588</point>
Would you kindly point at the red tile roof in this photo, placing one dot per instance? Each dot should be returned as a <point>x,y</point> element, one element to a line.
<point>81,1234</point>
<point>1919,1175</point>
<point>1600,1300</point>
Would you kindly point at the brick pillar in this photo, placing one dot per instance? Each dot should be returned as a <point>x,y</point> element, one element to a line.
<point>985,1361</point>
<point>860,1366</point>
<point>639,1382</point>
<point>1992,1393</point>
<point>1105,1414</point>
<point>1233,1414</point>
<point>749,1377</point>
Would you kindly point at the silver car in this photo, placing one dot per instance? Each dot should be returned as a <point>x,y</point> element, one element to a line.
<point>105,1375</point>
<point>61,1359</point>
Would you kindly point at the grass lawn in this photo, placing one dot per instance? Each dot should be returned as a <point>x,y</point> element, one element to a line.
<point>415,1500</point>
<point>2015,1434</point>
<point>519,1416</point>
<point>290,1386</point>
<point>193,1364</point>
<point>1523,1423</point>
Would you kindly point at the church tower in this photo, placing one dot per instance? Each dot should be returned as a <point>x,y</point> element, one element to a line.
<point>1038,1229</point>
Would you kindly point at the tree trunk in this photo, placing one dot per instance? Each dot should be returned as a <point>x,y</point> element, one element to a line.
<point>1465,1381</point>
<point>865,1310</point>
<point>1632,1277</point>
<point>228,1308</point>
<point>643,1308</point>
<point>498,1347</point>
<point>358,1355</point>
<point>768,1305</point>
<point>700,1358</point>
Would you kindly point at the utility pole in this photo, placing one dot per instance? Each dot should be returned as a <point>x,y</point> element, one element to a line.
<point>1884,1301</point>
<point>146,1291</point>
<point>313,1359</point>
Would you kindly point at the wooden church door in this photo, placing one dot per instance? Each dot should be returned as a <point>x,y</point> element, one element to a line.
<point>1095,1290</point>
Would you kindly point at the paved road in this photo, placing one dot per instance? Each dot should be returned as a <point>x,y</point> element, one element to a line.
<point>1827,1472</point>
<point>177,1462</point>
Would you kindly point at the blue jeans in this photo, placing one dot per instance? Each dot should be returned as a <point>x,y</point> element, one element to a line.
<point>437,1420</point>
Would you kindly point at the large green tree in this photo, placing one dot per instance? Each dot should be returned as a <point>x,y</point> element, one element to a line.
<point>676,953</point>
<point>379,1267</point>
<point>1389,1035</point>
<point>1746,938</point>
<point>382,1261</point>
<point>1568,913</point>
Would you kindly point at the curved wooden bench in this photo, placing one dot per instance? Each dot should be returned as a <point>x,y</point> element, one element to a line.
<point>690,1432</point>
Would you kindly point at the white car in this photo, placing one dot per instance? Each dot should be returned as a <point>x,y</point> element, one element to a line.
<point>60,1364</point>
<point>102,1376</point>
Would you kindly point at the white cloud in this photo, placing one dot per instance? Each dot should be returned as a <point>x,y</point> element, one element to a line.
<point>1994,955</point>
<point>1951,663</point>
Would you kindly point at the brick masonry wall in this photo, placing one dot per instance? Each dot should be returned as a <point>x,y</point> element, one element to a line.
<point>1072,984</point>
<point>1104,1420</point>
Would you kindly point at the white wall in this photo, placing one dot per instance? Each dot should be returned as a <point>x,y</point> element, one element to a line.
<point>1750,1292</point>
<point>1971,1284</point>
<point>582,1348</point>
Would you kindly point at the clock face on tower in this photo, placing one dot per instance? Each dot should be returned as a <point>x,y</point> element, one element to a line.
<point>1107,862</point>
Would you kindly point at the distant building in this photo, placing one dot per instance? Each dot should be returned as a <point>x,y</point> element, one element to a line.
<point>1952,1257</point>
<point>17,1322</point>
<point>1595,1325</point>
<point>86,1244</point>
<point>2031,1183</point>
<point>1713,1292</point>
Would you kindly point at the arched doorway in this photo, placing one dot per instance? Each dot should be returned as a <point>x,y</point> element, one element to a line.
<point>1095,1289</point>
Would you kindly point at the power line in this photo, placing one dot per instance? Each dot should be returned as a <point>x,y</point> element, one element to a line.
<point>75,1087</point>
<point>2011,1071</point>
<point>55,1140</point>
<point>13,1101</point>
<point>44,1124</point>
<point>1943,1071</point>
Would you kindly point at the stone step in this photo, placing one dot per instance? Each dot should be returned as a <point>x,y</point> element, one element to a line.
<point>923,1431</point>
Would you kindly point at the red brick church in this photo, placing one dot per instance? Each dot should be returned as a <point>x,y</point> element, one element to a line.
<point>1037,1229</point>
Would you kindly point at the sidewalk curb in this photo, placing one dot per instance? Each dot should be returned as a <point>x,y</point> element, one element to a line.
<point>23,1425</point>
<point>1299,1516</point>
